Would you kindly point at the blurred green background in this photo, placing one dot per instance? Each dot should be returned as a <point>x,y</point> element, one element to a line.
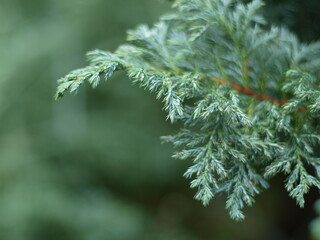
<point>91,166</point>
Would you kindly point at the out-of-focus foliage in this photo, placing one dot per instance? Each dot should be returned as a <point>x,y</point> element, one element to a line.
<point>56,171</point>
<point>315,224</point>
<point>300,16</point>
<point>91,166</point>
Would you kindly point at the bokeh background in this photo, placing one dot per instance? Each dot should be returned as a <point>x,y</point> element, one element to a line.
<point>91,166</point>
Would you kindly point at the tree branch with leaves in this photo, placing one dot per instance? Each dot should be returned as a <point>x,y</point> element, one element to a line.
<point>247,94</point>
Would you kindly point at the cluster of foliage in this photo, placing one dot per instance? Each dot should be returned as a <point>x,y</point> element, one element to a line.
<point>247,94</point>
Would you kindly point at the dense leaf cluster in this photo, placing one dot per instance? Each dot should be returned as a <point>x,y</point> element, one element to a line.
<point>247,94</point>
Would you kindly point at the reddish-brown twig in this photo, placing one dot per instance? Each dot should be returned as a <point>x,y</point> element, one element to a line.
<point>250,92</point>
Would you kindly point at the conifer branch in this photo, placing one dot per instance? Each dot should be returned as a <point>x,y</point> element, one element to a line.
<point>234,142</point>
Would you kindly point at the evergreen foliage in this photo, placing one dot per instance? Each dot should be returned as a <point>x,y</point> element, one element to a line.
<point>247,94</point>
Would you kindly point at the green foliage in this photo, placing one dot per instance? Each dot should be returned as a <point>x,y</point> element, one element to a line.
<point>246,93</point>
